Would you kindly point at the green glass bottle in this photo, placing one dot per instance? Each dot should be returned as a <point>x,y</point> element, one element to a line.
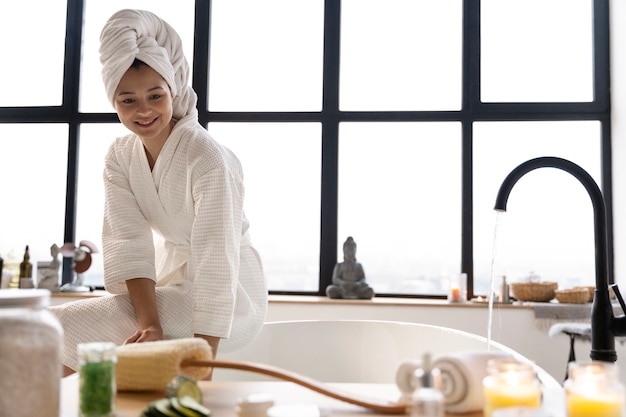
<point>26,271</point>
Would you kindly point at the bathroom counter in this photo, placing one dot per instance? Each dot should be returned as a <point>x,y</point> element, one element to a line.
<point>221,398</point>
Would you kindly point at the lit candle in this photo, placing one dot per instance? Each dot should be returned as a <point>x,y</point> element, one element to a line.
<point>510,384</point>
<point>586,406</point>
<point>593,390</point>
<point>455,294</point>
<point>457,288</point>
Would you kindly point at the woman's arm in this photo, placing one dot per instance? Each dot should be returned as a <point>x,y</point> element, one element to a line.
<point>214,342</point>
<point>143,297</point>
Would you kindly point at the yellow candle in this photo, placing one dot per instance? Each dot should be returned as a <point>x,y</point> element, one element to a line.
<point>593,389</point>
<point>580,405</point>
<point>503,396</point>
<point>510,384</point>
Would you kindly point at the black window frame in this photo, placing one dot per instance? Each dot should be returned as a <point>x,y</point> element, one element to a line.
<point>472,110</point>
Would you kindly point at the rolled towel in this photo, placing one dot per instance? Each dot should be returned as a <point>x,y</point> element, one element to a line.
<point>138,34</point>
<point>150,366</point>
<point>405,379</point>
<point>462,375</point>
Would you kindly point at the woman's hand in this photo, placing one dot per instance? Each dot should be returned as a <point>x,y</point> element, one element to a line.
<point>150,334</point>
<point>143,297</point>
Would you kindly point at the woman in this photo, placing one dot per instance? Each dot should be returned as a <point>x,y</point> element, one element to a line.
<point>170,179</point>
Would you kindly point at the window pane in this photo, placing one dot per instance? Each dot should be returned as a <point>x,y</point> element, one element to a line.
<point>536,50</point>
<point>94,143</point>
<point>400,199</point>
<point>180,15</point>
<point>281,163</point>
<point>33,166</point>
<point>266,55</point>
<point>36,79</point>
<point>403,56</point>
<point>548,226</point>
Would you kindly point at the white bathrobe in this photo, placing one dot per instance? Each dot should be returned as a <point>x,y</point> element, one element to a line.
<point>209,279</point>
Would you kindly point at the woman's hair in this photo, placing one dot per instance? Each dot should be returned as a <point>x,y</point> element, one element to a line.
<point>138,63</point>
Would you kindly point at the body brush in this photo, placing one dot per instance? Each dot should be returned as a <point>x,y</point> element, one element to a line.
<point>150,366</point>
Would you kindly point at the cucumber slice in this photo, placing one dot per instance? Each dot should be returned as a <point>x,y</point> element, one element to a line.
<point>183,411</point>
<point>182,386</point>
<point>162,408</point>
<point>192,404</point>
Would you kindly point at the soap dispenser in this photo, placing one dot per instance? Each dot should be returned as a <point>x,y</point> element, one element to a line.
<point>504,297</point>
<point>428,400</point>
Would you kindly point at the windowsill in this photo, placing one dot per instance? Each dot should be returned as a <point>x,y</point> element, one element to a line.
<point>312,301</point>
<point>384,301</point>
<point>542,310</point>
<point>321,300</point>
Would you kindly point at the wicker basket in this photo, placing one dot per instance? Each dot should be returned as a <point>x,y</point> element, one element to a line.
<point>534,291</point>
<point>573,296</point>
<point>591,289</point>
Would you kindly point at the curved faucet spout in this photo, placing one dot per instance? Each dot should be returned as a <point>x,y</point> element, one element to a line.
<point>602,319</point>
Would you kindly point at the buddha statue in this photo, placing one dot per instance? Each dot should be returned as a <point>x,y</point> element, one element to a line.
<point>349,277</point>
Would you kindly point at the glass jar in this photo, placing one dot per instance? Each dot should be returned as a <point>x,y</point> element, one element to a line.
<point>31,341</point>
<point>97,361</point>
<point>254,405</point>
<point>510,383</point>
<point>428,400</point>
<point>457,288</point>
<point>593,389</point>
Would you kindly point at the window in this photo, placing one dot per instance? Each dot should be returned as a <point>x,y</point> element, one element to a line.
<point>34,169</point>
<point>553,62</point>
<point>266,56</point>
<point>392,124</point>
<point>399,195</point>
<point>536,234</point>
<point>404,56</point>
<point>40,29</point>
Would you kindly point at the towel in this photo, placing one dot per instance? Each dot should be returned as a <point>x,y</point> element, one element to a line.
<point>405,379</point>
<point>138,34</point>
<point>150,366</point>
<point>582,330</point>
<point>462,375</point>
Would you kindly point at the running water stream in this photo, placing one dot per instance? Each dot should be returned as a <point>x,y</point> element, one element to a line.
<point>492,291</point>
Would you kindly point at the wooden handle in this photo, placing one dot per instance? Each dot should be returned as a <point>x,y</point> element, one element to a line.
<point>386,407</point>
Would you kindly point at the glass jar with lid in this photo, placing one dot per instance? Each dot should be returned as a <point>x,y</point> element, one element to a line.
<point>593,389</point>
<point>510,383</point>
<point>97,379</point>
<point>31,341</point>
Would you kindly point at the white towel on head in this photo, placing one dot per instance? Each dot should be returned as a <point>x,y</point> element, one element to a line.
<point>139,34</point>
<point>462,375</point>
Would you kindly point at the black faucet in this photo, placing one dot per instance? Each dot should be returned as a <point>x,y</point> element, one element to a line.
<point>604,325</point>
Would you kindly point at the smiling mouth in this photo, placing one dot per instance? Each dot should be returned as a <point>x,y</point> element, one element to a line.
<point>146,123</point>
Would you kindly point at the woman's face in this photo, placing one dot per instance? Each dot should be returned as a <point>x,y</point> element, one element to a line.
<point>143,102</point>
